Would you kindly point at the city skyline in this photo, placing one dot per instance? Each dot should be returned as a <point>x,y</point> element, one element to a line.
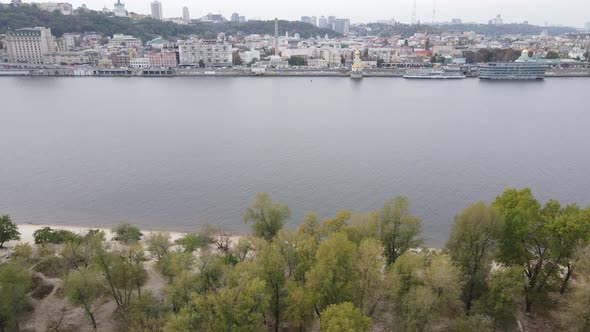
<point>373,10</point>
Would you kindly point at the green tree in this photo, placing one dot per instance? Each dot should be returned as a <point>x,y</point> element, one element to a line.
<point>500,300</point>
<point>8,230</point>
<point>552,55</point>
<point>331,279</point>
<point>158,244</point>
<point>79,253</point>
<point>370,283</point>
<point>126,233</point>
<point>297,61</point>
<point>398,229</point>
<point>344,317</point>
<point>299,310</point>
<point>272,271</point>
<point>192,242</point>
<point>472,246</point>
<point>84,288</point>
<point>267,217</point>
<point>15,282</point>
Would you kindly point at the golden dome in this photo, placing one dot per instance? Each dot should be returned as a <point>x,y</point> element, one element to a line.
<point>357,52</point>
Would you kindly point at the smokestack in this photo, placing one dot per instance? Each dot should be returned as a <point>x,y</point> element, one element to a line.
<point>276,36</point>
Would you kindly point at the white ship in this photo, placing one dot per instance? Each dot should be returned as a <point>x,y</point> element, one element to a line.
<point>434,73</point>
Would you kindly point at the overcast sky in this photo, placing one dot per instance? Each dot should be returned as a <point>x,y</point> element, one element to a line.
<point>555,12</point>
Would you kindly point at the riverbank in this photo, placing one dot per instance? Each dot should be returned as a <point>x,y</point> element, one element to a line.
<point>185,72</point>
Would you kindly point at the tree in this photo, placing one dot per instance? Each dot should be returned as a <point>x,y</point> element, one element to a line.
<point>370,283</point>
<point>201,63</point>
<point>337,224</point>
<point>272,271</point>
<point>8,230</point>
<point>398,229</point>
<point>47,235</point>
<point>297,61</point>
<point>539,239</point>
<point>79,253</point>
<point>471,246</point>
<point>331,279</point>
<point>552,55</point>
<point>158,244</point>
<point>299,309</point>
<point>192,242</point>
<point>15,282</point>
<point>84,288</point>
<point>126,233</point>
<point>344,317</point>
<point>504,289</point>
<point>267,217</point>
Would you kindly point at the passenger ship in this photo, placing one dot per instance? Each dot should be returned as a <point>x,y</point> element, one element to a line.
<point>445,73</point>
<point>522,69</point>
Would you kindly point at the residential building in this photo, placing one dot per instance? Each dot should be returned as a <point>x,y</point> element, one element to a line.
<point>247,57</point>
<point>163,59</point>
<point>68,42</point>
<point>305,19</point>
<point>119,9</point>
<point>342,25</point>
<point>120,60</point>
<point>587,26</point>
<point>323,22</point>
<point>314,20</point>
<point>235,17</point>
<point>211,52</point>
<point>496,20</point>
<point>157,10</point>
<point>242,19</point>
<point>456,21</point>
<point>185,14</point>
<point>62,7</point>
<point>29,45</point>
<point>317,63</point>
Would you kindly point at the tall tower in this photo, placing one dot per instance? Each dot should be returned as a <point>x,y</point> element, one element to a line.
<point>157,10</point>
<point>276,36</point>
<point>434,12</point>
<point>186,16</point>
<point>414,13</point>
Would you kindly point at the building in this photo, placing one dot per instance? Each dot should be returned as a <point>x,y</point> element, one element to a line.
<point>124,41</point>
<point>157,10</point>
<point>332,22</point>
<point>587,26</point>
<point>210,52</point>
<point>213,18</point>
<point>185,14</point>
<point>68,42</point>
<point>72,58</point>
<point>314,20</point>
<point>242,19</point>
<point>235,17</point>
<point>323,22</point>
<point>305,19</point>
<point>29,45</point>
<point>62,7</point>
<point>120,60</point>
<point>141,63</point>
<point>342,25</point>
<point>119,9</point>
<point>456,21</point>
<point>496,20</point>
<point>248,57</point>
<point>163,59</point>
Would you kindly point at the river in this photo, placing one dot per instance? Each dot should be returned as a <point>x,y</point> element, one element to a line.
<point>175,153</point>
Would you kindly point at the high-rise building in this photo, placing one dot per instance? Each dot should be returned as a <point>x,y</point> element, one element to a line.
<point>314,20</point>
<point>185,14</point>
<point>157,10</point>
<point>235,17</point>
<point>242,19</point>
<point>587,26</point>
<point>332,22</point>
<point>456,21</point>
<point>29,45</point>
<point>496,20</point>
<point>342,25</point>
<point>305,19</point>
<point>323,22</point>
<point>119,9</point>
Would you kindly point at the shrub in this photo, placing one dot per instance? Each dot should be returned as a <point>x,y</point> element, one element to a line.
<point>56,236</point>
<point>191,242</point>
<point>127,234</point>
<point>8,230</point>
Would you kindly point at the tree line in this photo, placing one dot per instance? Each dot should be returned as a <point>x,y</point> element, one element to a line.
<point>26,16</point>
<point>514,262</point>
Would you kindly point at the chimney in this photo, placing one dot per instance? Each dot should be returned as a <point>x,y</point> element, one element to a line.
<point>276,36</point>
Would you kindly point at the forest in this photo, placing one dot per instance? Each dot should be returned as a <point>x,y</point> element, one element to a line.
<point>26,16</point>
<point>514,264</point>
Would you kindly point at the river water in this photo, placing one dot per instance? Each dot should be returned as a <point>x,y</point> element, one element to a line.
<point>175,153</point>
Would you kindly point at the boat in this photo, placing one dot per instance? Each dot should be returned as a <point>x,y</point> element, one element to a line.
<point>434,74</point>
<point>524,68</point>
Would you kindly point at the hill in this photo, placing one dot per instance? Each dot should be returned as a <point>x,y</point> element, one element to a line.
<point>30,16</point>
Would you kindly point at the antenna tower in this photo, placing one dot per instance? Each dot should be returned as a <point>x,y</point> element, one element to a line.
<point>414,13</point>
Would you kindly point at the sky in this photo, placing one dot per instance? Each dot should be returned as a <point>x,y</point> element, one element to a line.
<point>554,12</point>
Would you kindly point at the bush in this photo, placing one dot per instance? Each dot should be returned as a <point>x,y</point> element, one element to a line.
<point>52,267</point>
<point>56,236</point>
<point>22,252</point>
<point>127,234</point>
<point>193,241</point>
<point>8,230</point>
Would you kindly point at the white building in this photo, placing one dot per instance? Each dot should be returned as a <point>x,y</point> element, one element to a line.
<point>157,10</point>
<point>119,9</point>
<point>211,52</point>
<point>62,7</point>
<point>317,63</point>
<point>124,41</point>
<point>72,58</point>
<point>68,42</point>
<point>139,63</point>
<point>29,45</point>
<point>248,56</point>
